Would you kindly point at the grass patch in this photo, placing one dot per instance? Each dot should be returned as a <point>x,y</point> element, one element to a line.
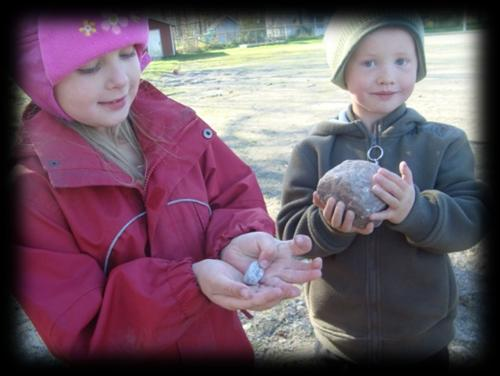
<point>230,57</point>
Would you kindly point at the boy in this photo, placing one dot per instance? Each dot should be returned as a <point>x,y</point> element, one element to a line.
<point>387,293</point>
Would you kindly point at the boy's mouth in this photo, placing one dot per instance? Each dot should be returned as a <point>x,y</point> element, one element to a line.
<point>384,95</point>
<point>384,92</point>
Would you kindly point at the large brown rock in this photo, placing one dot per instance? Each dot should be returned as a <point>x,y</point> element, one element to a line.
<point>351,182</point>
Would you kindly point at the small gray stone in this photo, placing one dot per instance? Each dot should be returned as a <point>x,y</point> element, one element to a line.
<point>351,182</point>
<point>253,274</point>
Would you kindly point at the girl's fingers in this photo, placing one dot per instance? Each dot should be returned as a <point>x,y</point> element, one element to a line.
<point>268,251</point>
<point>299,276</point>
<point>317,262</point>
<point>302,244</point>
<point>232,288</point>
<point>259,296</point>
<point>299,245</point>
<point>289,290</point>
<point>295,264</point>
<point>263,296</point>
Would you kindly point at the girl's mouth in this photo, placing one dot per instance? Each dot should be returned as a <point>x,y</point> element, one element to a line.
<point>116,104</point>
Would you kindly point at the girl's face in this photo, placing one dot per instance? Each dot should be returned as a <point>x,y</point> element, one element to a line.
<point>99,94</point>
<point>381,74</point>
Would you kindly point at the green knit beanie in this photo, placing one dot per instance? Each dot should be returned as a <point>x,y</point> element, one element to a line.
<point>346,30</point>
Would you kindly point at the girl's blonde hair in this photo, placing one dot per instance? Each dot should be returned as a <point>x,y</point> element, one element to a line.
<point>107,144</point>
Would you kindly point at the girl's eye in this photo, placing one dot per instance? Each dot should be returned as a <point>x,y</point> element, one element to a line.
<point>94,66</point>
<point>89,69</point>
<point>127,54</point>
<point>368,63</point>
<point>402,61</point>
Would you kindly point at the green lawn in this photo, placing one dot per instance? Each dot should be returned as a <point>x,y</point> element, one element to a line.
<point>230,57</point>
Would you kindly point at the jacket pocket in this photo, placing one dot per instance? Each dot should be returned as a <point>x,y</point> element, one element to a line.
<point>419,298</point>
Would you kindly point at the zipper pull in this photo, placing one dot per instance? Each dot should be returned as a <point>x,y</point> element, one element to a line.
<point>375,152</point>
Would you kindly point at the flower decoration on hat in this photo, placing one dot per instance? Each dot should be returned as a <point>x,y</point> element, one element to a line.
<point>88,28</point>
<point>115,24</point>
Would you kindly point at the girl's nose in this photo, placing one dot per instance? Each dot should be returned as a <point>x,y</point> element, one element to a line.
<point>117,77</point>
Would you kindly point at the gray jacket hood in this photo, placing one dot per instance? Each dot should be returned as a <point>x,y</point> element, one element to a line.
<point>401,121</point>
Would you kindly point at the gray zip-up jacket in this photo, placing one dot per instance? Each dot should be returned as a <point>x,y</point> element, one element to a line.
<point>391,294</point>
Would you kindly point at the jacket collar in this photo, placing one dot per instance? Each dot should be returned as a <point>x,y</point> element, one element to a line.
<point>71,162</point>
<point>400,121</point>
<point>66,157</point>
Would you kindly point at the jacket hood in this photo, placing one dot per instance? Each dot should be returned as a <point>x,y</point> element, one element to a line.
<point>401,121</point>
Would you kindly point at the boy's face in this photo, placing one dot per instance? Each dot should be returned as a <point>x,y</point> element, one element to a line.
<point>381,73</point>
<point>99,94</point>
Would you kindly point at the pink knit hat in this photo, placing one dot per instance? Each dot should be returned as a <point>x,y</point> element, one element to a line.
<point>51,48</point>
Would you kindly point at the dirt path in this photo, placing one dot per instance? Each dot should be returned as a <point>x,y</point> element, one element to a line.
<point>263,110</point>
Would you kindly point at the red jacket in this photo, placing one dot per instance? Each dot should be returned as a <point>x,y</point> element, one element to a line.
<point>105,264</point>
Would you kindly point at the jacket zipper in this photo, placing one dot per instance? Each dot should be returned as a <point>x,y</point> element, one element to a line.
<point>372,300</point>
<point>147,175</point>
<point>374,154</point>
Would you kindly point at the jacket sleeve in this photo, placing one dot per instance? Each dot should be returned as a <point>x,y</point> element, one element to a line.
<point>451,216</point>
<point>142,307</point>
<point>298,215</point>
<point>235,197</point>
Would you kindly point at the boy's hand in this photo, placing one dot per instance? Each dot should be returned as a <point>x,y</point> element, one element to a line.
<point>396,191</point>
<point>333,212</point>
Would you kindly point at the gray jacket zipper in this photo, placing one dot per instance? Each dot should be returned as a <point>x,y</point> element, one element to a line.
<point>373,299</point>
<point>375,151</point>
<point>374,154</point>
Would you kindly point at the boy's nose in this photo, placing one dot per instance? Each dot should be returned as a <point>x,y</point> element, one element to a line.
<point>385,77</point>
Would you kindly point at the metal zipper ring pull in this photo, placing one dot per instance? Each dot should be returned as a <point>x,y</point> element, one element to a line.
<point>375,153</point>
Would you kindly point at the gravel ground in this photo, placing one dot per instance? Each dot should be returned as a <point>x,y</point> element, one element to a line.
<point>261,111</point>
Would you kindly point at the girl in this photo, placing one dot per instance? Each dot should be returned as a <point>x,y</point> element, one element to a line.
<point>137,222</point>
